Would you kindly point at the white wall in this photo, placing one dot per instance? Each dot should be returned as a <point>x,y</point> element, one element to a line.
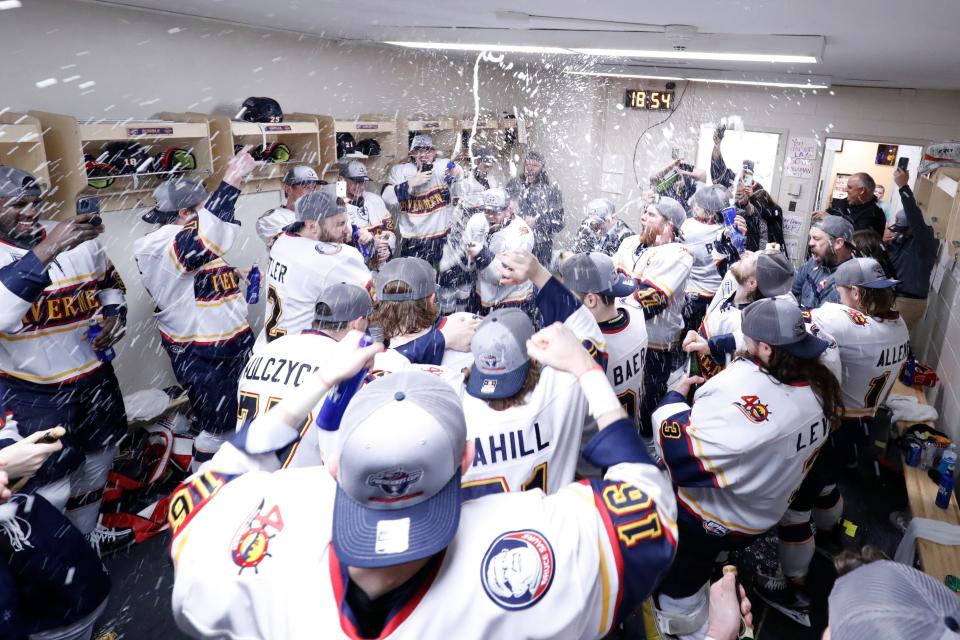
<point>144,63</point>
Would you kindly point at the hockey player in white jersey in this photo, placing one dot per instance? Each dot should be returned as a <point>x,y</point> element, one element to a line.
<point>661,266</point>
<point>707,240</point>
<point>55,280</point>
<point>507,232</point>
<point>457,272</point>
<point>297,181</point>
<point>479,179</point>
<point>764,274</point>
<point>741,452</point>
<point>407,314</point>
<point>391,550</point>
<point>525,420</point>
<point>201,310</point>
<point>873,344</point>
<point>421,191</point>
<point>309,256</point>
<point>601,230</point>
<point>372,224</point>
<point>593,278</point>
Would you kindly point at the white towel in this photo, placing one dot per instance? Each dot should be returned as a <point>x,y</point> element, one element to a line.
<point>933,530</point>
<point>908,408</point>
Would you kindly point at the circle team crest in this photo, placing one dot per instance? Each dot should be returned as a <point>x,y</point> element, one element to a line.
<point>517,569</point>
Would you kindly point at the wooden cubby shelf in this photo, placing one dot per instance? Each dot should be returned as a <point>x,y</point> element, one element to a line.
<point>21,145</point>
<point>68,141</point>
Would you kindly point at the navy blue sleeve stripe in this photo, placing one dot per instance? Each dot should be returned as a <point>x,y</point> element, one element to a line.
<point>223,202</point>
<point>618,442</point>
<point>484,258</point>
<point>686,469</point>
<point>721,346</point>
<point>427,349</point>
<point>555,302</point>
<point>26,278</point>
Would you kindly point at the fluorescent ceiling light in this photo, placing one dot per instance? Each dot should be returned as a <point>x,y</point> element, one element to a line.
<point>698,55</point>
<point>623,75</point>
<point>458,46</point>
<point>699,75</point>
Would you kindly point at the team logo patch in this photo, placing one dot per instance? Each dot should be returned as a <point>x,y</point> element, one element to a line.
<point>715,528</point>
<point>328,248</point>
<point>490,362</point>
<point>251,544</point>
<point>670,429</point>
<point>517,570</point>
<point>395,484</point>
<point>753,409</point>
<point>857,318</point>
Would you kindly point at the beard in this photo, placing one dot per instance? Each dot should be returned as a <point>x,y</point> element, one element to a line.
<point>651,235</point>
<point>829,258</point>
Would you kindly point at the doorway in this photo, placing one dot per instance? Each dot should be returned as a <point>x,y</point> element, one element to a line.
<point>843,157</point>
<point>762,147</point>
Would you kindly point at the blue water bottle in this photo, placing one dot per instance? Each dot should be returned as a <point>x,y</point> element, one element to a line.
<point>339,397</point>
<point>739,242</point>
<point>909,371</point>
<point>365,250</point>
<point>946,488</point>
<point>253,285</point>
<point>447,177</point>
<point>94,329</point>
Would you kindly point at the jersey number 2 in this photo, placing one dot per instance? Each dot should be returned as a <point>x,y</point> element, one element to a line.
<point>276,310</point>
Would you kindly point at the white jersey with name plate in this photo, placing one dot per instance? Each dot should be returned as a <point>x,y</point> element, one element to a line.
<point>871,350</point>
<point>299,270</point>
<point>423,211</point>
<point>699,239</point>
<point>515,236</point>
<point>739,455</point>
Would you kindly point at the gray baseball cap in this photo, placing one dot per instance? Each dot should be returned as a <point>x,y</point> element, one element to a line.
<point>862,272</point>
<point>672,210</point>
<point>419,276</point>
<point>496,199</point>
<point>900,223</point>
<point>836,227</point>
<point>354,170</point>
<point>172,196</point>
<point>775,274</point>
<point>712,198</point>
<point>301,174</point>
<point>17,183</point>
<point>594,272</point>
<point>398,485</point>
<point>421,141</point>
<point>886,599</point>
<point>343,303</point>
<point>318,205</point>
<point>500,360</point>
<point>778,322</point>
<point>599,208</point>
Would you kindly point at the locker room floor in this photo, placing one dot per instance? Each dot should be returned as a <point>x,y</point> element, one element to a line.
<point>139,607</point>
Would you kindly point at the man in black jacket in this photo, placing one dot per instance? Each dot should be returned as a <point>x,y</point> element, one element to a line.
<point>860,206</point>
<point>540,203</point>
<point>912,247</point>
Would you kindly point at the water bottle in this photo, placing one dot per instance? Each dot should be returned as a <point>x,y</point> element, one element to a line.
<point>94,329</point>
<point>366,250</point>
<point>909,371</point>
<point>447,177</point>
<point>729,215</point>
<point>253,285</point>
<point>948,459</point>
<point>946,488</point>
<point>339,397</point>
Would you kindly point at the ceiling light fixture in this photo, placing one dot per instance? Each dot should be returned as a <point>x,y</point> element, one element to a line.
<point>698,55</point>
<point>506,48</point>
<point>715,77</point>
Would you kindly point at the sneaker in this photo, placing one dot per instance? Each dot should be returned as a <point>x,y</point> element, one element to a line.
<point>106,540</point>
<point>784,596</point>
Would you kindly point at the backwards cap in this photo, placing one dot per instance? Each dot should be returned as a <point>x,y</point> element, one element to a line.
<point>398,487</point>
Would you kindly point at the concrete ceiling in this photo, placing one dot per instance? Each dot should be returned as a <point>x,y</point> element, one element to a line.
<point>880,43</point>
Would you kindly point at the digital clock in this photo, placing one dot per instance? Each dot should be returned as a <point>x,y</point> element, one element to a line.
<point>649,100</point>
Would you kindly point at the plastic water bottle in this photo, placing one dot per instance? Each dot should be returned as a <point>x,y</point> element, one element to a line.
<point>947,460</point>
<point>94,329</point>
<point>339,397</point>
<point>447,177</point>
<point>253,285</point>
<point>729,215</point>
<point>946,487</point>
<point>909,371</point>
<point>365,250</point>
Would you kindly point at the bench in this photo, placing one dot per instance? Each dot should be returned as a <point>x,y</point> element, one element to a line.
<point>936,560</point>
